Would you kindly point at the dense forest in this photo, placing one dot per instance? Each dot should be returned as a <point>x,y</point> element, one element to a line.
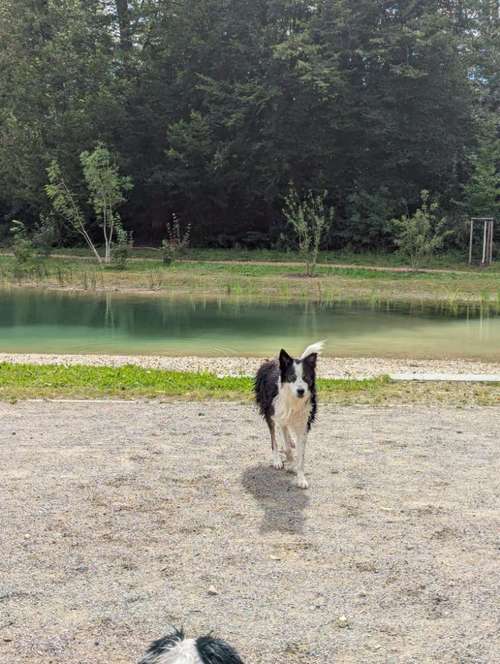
<point>212,107</point>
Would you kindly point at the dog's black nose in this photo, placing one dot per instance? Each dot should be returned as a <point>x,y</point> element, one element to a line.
<point>300,392</point>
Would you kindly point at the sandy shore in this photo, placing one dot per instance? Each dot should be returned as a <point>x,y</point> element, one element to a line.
<point>329,367</point>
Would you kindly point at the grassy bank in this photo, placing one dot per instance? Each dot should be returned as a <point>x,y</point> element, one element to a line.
<point>22,381</point>
<point>130,381</point>
<point>448,261</point>
<point>266,280</point>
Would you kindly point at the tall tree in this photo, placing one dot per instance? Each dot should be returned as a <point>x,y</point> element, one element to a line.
<point>123,13</point>
<point>213,106</point>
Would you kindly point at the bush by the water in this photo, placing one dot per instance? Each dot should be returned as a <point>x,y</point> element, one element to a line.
<point>176,242</point>
<point>420,235</point>
<point>311,219</point>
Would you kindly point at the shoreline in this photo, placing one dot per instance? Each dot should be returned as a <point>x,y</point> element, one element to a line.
<point>328,367</point>
<point>362,297</point>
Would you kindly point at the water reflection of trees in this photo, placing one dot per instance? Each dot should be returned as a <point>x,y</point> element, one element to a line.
<point>218,321</point>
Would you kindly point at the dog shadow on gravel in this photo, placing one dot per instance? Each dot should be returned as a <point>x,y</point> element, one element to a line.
<point>282,503</point>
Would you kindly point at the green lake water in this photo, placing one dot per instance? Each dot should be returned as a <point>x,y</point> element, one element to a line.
<point>48,322</point>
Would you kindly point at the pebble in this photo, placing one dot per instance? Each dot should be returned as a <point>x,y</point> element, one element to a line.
<point>328,367</point>
<point>342,621</point>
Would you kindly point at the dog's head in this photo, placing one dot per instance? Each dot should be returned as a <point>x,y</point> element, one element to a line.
<point>299,375</point>
<point>176,649</point>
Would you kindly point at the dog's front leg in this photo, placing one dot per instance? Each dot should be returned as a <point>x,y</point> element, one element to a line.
<point>301,438</point>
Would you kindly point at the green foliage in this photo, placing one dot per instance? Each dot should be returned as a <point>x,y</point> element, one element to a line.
<point>28,256</point>
<point>422,234</point>
<point>177,242</point>
<point>120,251</point>
<point>368,218</point>
<point>106,189</point>
<point>483,190</point>
<point>212,108</point>
<point>58,73</point>
<point>65,204</point>
<point>311,220</point>
<point>22,246</point>
<point>167,252</point>
<point>45,234</point>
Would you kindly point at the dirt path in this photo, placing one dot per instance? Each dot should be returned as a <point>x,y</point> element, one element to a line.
<point>117,518</point>
<point>349,266</point>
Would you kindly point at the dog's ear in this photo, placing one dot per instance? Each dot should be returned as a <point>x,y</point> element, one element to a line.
<point>310,360</point>
<point>285,359</point>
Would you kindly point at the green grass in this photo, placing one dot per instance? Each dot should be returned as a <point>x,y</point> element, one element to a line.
<point>454,260</point>
<point>70,267</point>
<point>450,260</point>
<point>130,381</point>
<point>23,381</point>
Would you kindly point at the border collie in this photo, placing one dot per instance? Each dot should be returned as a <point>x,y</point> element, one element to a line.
<point>176,649</point>
<point>285,391</point>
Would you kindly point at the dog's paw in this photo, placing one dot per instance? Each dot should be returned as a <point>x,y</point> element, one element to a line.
<point>301,482</point>
<point>278,464</point>
<point>290,467</point>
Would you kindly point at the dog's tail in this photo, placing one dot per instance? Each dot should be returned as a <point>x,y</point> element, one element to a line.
<point>313,348</point>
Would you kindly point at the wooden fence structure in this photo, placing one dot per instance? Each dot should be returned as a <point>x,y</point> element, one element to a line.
<point>488,233</point>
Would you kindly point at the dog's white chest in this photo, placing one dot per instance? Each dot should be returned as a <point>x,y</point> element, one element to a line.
<point>288,409</point>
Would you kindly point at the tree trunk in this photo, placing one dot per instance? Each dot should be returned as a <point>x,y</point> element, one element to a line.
<point>107,255</point>
<point>91,245</point>
<point>123,13</point>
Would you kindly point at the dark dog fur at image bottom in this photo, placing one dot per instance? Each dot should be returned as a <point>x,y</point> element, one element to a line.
<point>285,391</point>
<point>176,649</point>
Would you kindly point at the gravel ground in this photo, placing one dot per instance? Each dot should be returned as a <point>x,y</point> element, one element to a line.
<point>329,367</point>
<point>118,518</point>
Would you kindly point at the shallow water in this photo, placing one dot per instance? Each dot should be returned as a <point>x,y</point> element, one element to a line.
<point>50,322</point>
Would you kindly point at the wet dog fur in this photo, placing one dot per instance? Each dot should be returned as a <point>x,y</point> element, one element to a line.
<point>285,392</point>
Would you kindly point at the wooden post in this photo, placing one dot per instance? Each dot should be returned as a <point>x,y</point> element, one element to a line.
<point>492,232</point>
<point>488,237</point>
<point>470,240</point>
<point>488,248</point>
<point>485,225</point>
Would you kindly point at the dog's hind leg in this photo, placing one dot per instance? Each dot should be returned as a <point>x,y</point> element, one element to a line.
<point>277,462</point>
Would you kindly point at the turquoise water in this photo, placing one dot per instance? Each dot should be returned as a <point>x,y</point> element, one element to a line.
<point>48,322</point>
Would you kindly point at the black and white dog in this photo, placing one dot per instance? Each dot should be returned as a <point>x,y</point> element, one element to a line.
<point>285,391</point>
<point>176,649</point>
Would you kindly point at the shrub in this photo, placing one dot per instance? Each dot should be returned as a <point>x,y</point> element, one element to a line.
<point>22,246</point>
<point>107,188</point>
<point>167,253</point>
<point>45,234</point>
<point>422,234</point>
<point>120,251</point>
<point>176,242</point>
<point>311,220</point>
